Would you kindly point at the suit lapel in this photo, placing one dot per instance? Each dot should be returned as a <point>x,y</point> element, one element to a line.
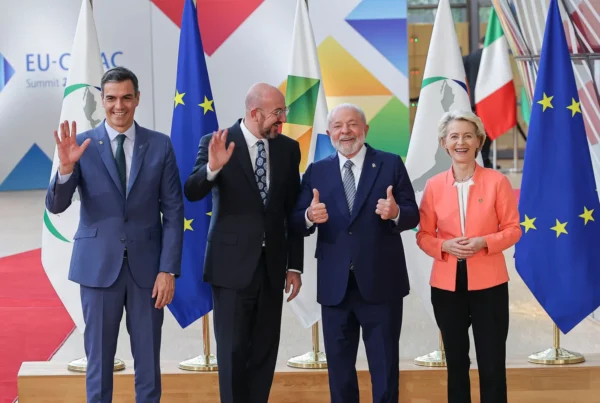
<point>103,144</point>
<point>275,161</point>
<point>242,156</point>
<point>139,151</point>
<point>370,169</point>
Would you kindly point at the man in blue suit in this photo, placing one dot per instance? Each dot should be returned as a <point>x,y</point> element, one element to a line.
<point>360,199</point>
<point>125,255</point>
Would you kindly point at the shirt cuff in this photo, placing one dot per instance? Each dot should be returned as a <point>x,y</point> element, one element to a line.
<point>211,175</point>
<point>397,217</point>
<point>63,178</point>
<point>308,222</point>
<point>295,271</point>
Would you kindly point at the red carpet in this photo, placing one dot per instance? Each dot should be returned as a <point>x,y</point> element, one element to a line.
<point>33,321</point>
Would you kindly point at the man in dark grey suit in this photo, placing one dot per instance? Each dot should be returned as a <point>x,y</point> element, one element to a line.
<point>254,175</point>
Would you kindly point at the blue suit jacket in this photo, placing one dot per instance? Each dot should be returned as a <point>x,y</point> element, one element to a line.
<point>373,245</point>
<point>111,221</point>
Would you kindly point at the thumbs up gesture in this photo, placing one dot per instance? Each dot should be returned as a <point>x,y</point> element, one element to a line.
<point>317,212</point>
<point>387,208</point>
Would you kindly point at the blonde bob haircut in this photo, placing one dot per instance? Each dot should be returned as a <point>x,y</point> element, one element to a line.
<point>465,116</point>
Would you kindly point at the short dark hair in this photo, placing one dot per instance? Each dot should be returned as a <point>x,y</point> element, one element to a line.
<point>119,74</point>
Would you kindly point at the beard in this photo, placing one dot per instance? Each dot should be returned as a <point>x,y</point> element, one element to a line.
<point>270,132</point>
<point>348,148</point>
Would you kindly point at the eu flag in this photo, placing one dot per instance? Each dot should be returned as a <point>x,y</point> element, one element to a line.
<point>557,254</point>
<point>193,117</point>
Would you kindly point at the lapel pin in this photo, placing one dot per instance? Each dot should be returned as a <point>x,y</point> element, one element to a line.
<point>480,200</point>
<point>374,165</point>
<point>100,142</point>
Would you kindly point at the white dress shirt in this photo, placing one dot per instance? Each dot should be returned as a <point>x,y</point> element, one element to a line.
<point>251,141</point>
<point>463,197</point>
<point>357,164</point>
<point>127,148</point>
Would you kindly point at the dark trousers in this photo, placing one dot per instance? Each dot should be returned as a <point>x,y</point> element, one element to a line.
<point>102,311</point>
<point>247,327</point>
<point>381,325</point>
<point>487,311</point>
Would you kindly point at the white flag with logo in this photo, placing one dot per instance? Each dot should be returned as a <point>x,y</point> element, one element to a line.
<point>81,103</point>
<point>443,89</point>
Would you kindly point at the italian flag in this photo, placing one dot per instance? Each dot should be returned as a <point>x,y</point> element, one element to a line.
<point>81,103</point>
<point>495,98</point>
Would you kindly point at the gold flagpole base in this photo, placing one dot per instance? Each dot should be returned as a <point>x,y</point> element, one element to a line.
<point>200,364</point>
<point>309,361</point>
<point>436,358</point>
<point>556,356</point>
<point>80,365</point>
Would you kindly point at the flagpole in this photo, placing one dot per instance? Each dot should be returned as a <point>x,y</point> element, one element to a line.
<point>436,358</point>
<point>205,362</point>
<point>556,355</point>
<point>80,364</point>
<point>495,154</point>
<point>515,168</point>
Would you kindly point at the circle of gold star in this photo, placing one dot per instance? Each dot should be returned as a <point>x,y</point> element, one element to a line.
<point>560,228</point>
<point>528,223</point>
<point>575,107</point>
<point>546,102</point>
<point>587,215</point>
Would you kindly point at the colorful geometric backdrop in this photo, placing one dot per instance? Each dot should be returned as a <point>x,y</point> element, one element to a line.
<point>382,25</point>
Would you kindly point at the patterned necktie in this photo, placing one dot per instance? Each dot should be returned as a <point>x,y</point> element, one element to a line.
<point>120,159</point>
<point>260,172</point>
<point>349,184</point>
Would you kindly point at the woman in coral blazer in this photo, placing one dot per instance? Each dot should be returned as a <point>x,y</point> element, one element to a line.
<point>469,217</point>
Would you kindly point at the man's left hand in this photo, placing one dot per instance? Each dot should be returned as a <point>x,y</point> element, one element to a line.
<point>164,289</point>
<point>387,208</point>
<point>293,280</point>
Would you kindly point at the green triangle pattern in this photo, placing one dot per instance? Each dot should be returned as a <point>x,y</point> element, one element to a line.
<point>297,86</point>
<point>389,130</point>
<point>302,110</point>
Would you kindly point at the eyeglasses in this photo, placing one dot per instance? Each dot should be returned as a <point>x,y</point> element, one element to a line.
<point>278,112</point>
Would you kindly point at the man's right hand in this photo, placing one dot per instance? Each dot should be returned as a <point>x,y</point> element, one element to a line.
<point>317,212</point>
<point>218,154</point>
<point>69,152</point>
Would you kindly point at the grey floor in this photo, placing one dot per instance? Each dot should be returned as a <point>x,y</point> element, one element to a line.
<point>530,329</point>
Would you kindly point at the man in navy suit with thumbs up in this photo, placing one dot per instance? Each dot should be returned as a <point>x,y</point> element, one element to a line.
<point>360,199</point>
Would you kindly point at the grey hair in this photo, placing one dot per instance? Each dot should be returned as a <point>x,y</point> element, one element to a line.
<point>346,106</point>
<point>465,116</point>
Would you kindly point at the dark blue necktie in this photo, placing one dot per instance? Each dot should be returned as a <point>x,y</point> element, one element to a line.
<point>260,171</point>
<point>120,159</point>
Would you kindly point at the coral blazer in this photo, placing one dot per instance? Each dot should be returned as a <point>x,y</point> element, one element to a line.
<point>491,212</point>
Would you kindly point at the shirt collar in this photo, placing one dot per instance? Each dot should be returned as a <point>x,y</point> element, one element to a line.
<point>250,138</point>
<point>358,160</point>
<point>112,133</point>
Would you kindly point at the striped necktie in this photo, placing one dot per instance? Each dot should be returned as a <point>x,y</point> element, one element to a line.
<point>349,184</point>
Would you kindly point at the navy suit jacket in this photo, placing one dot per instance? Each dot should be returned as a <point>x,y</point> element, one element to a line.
<point>111,221</point>
<point>373,245</point>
